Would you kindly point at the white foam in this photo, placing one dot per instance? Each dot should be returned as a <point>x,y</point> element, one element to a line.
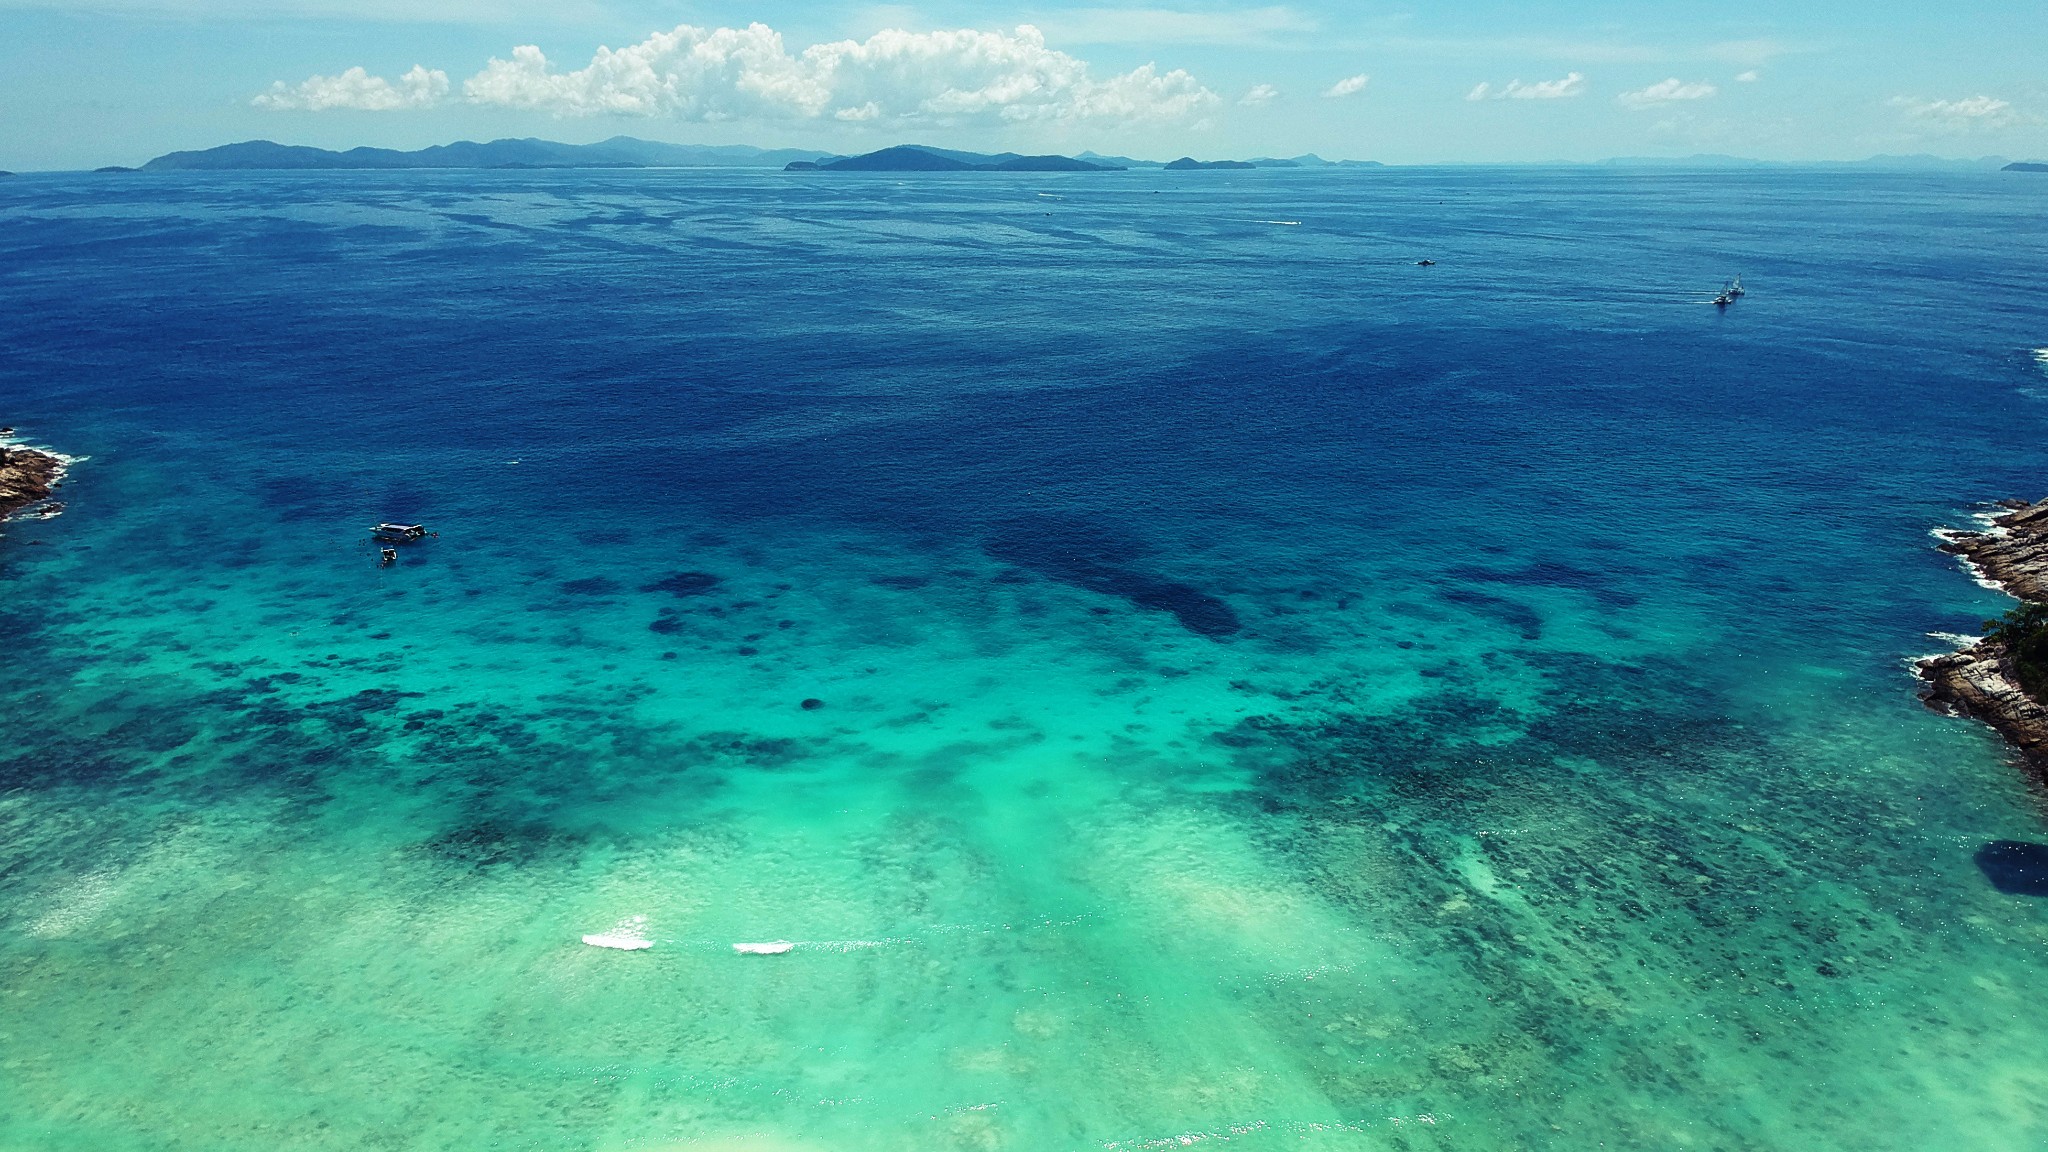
<point>64,460</point>
<point>1970,567</point>
<point>622,943</point>
<point>1958,639</point>
<point>624,936</point>
<point>771,948</point>
<point>1987,520</point>
<point>1977,575</point>
<point>1283,223</point>
<point>847,945</point>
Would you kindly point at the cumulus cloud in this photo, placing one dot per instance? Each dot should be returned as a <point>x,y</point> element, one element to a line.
<point>1260,94</point>
<point>1570,85</point>
<point>356,89</point>
<point>1749,77</point>
<point>1666,92</point>
<point>1969,113</point>
<point>695,73</point>
<point>1349,86</point>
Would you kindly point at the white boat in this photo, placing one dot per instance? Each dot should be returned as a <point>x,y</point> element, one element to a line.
<point>399,533</point>
<point>770,948</point>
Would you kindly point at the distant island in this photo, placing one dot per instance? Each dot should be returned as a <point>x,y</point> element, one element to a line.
<point>918,158</point>
<point>617,152</point>
<point>628,152</point>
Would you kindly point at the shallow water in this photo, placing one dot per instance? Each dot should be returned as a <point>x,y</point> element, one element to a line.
<point>1268,693</point>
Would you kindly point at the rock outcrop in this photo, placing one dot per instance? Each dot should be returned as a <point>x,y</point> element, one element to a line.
<point>1982,681</point>
<point>26,477</point>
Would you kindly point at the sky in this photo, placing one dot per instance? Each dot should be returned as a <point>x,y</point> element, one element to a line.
<point>84,84</point>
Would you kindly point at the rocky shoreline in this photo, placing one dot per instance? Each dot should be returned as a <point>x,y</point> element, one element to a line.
<point>1981,681</point>
<point>27,477</point>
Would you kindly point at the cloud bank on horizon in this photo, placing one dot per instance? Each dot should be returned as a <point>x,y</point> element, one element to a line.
<point>949,77</point>
<point>1539,80</point>
<point>714,74</point>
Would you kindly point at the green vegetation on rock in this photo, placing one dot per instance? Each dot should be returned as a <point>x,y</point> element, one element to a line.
<point>2024,634</point>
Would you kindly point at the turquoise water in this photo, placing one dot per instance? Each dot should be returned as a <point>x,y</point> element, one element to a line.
<point>1270,694</point>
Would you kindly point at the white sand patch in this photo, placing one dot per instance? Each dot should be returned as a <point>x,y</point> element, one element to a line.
<point>75,905</point>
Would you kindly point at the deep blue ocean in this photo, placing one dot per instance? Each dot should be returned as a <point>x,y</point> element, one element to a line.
<point>1173,669</point>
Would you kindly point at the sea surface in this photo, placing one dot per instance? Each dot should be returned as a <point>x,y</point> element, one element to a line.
<point>1266,694</point>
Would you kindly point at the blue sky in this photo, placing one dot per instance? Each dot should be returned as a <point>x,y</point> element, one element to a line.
<point>117,81</point>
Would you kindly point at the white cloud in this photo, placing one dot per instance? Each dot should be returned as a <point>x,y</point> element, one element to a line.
<point>1570,85</point>
<point>358,90</point>
<point>1749,77</point>
<point>1349,86</point>
<point>1260,94</point>
<point>1969,113</point>
<point>1666,92</point>
<point>695,73</point>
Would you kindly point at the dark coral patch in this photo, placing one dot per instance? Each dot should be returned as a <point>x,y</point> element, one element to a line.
<point>685,584</point>
<point>1606,588</point>
<point>592,586</point>
<point>1513,613</point>
<point>1093,559</point>
<point>490,843</point>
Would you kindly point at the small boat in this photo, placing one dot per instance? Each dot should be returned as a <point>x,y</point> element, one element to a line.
<point>1425,263</point>
<point>1734,290</point>
<point>388,557</point>
<point>399,533</point>
<point>771,948</point>
<point>1723,300</point>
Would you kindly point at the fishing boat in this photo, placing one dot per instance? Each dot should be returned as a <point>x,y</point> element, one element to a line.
<point>399,533</point>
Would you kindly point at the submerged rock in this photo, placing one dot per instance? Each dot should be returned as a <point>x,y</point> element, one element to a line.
<point>2015,867</point>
